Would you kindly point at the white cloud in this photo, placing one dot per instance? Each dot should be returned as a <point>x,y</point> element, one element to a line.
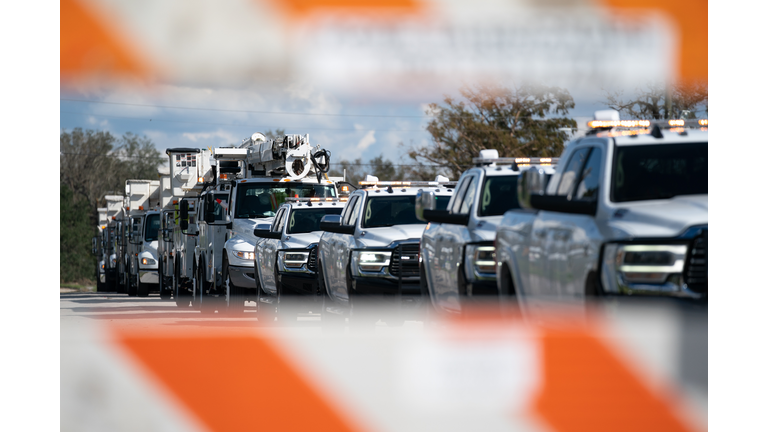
<point>226,137</point>
<point>366,141</point>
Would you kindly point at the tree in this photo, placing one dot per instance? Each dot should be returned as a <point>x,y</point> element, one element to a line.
<point>520,121</point>
<point>76,228</point>
<point>382,168</point>
<point>93,164</point>
<point>650,102</point>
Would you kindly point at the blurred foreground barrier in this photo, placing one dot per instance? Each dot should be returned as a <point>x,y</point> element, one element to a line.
<point>384,46</point>
<point>617,369</point>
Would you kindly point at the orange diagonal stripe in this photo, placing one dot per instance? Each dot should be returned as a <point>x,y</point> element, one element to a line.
<point>587,389</point>
<point>89,47</point>
<point>234,383</point>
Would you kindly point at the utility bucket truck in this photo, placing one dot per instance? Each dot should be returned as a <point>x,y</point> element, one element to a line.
<point>114,209</point>
<point>144,225</point>
<point>189,169</point>
<point>253,180</point>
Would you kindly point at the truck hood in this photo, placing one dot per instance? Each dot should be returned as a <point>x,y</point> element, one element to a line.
<point>299,241</point>
<point>485,229</point>
<point>380,237</point>
<point>150,248</point>
<point>659,218</point>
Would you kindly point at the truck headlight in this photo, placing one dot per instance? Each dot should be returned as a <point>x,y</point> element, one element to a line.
<point>292,260</point>
<point>243,255</point>
<point>643,268</point>
<point>480,262</point>
<point>148,261</point>
<point>370,261</point>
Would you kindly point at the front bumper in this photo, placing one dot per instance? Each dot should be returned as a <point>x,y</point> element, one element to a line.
<point>299,284</point>
<point>148,276</point>
<point>244,277</point>
<point>408,290</point>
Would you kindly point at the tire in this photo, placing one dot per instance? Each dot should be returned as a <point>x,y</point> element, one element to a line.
<point>235,294</point>
<point>508,294</point>
<point>208,303</point>
<point>265,312</point>
<point>132,287</point>
<point>99,286</point>
<point>142,289</point>
<point>180,295</point>
<point>329,322</point>
<point>165,293</point>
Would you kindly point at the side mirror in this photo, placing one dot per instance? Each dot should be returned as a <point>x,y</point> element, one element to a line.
<point>332,223</point>
<point>265,233</point>
<point>425,200</point>
<point>184,215</point>
<point>532,181</point>
<point>167,234</point>
<point>562,204</point>
<point>444,216</point>
<point>94,245</point>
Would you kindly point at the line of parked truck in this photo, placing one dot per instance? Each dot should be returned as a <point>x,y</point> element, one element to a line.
<point>623,211</point>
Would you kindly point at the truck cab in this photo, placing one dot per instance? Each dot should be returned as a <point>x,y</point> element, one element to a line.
<point>141,253</point>
<point>624,214</point>
<point>370,253</point>
<point>458,264</point>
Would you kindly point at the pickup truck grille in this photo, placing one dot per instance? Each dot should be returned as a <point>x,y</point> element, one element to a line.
<point>696,265</point>
<point>406,258</point>
<point>312,260</point>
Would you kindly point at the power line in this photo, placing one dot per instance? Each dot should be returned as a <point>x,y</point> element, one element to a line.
<point>234,125</point>
<point>241,111</point>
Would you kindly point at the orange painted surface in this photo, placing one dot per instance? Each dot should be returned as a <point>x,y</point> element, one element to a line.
<point>234,382</point>
<point>383,9</point>
<point>89,46</point>
<point>691,17</point>
<point>587,389</point>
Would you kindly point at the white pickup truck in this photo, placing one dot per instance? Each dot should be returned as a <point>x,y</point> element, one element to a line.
<point>624,214</point>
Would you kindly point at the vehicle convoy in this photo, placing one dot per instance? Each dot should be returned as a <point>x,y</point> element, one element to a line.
<point>624,214</point>
<point>253,181</point>
<point>458,263</point>
<point>370,253</point>
<point>141,253</point>
<point>286,257</point>
<point>190,170</point>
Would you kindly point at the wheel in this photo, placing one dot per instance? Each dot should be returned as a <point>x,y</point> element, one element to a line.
<point>100,286</point>
<point>165,292</point>
<point>265,311</point>
<point>142,289</point>
<point>180,295</point>
<point>208,303</point>
<point>132,287</point>
<point>362,315</point>
<point>509,305</point>
<point>235,294</point>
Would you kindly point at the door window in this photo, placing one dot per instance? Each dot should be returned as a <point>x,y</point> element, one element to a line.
<point>349,210</point>
<point>459,194</point>
<point>469,197</point>
<point>589,185</point>
<point>571,172</point>
<point>277,225</point>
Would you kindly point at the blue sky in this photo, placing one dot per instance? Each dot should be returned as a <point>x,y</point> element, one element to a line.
<point>349,127</point>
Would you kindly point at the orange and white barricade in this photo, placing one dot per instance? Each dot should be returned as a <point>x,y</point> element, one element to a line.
<point>643,369</point>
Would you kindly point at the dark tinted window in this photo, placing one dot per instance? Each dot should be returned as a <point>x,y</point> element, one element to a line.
<point>442,202</point>
<point>388,211</point>
<point>499,194</point>
<point>259,200</point>
<point>152,224</point>
<point>308,220</point>
<point>647,172</point>
<point>589,185</point>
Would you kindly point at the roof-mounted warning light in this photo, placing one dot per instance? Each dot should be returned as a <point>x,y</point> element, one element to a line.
<point>407,184</point>
<point>310,201</point>
<point>519,161</point>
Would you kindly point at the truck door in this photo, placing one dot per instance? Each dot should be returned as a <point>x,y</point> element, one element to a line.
<point>336,252</point>
<point>449,245</point>
<point>549,261</point>
<point>269,254</point>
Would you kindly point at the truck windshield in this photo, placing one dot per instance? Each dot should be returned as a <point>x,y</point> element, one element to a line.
<point>648,172</point>
<point>306,220</point>
<point>259,200</point>
<point>396,210</point>
<point>498,195</point>
<point>152,227</point>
